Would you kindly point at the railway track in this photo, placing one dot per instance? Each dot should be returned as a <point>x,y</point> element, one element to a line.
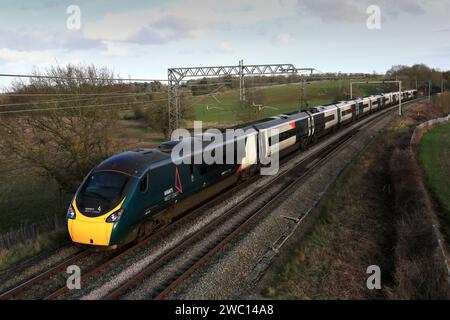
<point>164,275</point>
<point>175,266</point>
<point>158,235</point>
<point>203,244</point>
<point>18,289</point>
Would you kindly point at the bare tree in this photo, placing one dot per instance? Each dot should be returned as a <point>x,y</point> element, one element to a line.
<point>157,116</point>
<point>66,136</point>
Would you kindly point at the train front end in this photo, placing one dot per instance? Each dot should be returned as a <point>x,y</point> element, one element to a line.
<point>95,214</point>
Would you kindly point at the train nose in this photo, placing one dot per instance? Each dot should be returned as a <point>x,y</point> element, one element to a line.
<point>91,233</point>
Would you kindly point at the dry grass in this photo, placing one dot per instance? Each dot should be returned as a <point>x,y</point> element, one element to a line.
<point>420,272</point>
<point>31,239</point>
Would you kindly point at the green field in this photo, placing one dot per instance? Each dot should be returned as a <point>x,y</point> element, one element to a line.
<point>223,108</point>
<point>434,155</point>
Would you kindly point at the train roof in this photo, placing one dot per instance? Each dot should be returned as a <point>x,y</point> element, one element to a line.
<point>270,123</point>
<point>137,162</point>
<point>132,163</point>
<point>299,116</point>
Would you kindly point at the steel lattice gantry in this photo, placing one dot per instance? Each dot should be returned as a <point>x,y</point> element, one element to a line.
<point>176,75</point>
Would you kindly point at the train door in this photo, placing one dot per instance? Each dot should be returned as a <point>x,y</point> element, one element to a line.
<point>354,111</point>
<point>360,108</point>
<point>310,126</point>
<point>381,102</point>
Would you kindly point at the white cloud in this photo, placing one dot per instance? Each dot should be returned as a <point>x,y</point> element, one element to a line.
<point>183,20</point>
<point>225,47</point>
<point>116,49</point>
<point>39,38</point>
<point>283,39</point>
<point>28,56</point>
<point>355,10</point>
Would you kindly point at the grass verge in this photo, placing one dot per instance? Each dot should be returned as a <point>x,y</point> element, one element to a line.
<point>31,248</point>
<point>434,155</point>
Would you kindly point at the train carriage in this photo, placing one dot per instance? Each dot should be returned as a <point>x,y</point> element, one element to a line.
<point>387,99</point>
<point>363,106</point>
<point>282,134</point>
<point>346,112</point>
<point>330,119</point>
<point>375,103</point>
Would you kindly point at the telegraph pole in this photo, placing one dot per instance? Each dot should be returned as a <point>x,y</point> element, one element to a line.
<point>303,85</point>
<point>241,83</point>
<point>302,94</point>
<point>429,90</point>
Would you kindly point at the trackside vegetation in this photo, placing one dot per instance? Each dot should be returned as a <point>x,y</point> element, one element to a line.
<point>434,155</point>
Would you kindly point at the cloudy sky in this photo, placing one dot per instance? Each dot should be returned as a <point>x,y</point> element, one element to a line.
<point>143,38</point>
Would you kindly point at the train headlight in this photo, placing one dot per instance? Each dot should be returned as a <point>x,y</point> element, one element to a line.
<point>71,213</point>
<point>114,217</point>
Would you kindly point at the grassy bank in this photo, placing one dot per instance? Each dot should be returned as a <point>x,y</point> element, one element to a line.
<point>434,155</point>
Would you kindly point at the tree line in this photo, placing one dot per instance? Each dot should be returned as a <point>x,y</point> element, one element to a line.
<point>421,74</point>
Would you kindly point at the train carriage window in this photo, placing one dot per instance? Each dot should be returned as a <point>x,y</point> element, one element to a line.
<point>346,112</point>
<point>330,118</point>
<point>284,136</point>
<point>143,187</point>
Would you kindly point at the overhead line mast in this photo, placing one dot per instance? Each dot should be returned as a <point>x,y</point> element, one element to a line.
<point>177,75</point>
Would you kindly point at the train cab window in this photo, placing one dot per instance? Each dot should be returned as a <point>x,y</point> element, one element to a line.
<point>143,186</point>
<point>105,185</point>
<point>101,192</point>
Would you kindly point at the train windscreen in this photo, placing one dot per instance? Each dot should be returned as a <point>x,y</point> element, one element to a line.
<point>101,192</point>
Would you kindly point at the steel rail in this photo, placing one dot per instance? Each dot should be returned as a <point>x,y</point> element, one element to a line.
<point>42,276</point>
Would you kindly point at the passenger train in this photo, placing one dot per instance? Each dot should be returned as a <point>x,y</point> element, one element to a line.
<point>128,196</point>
